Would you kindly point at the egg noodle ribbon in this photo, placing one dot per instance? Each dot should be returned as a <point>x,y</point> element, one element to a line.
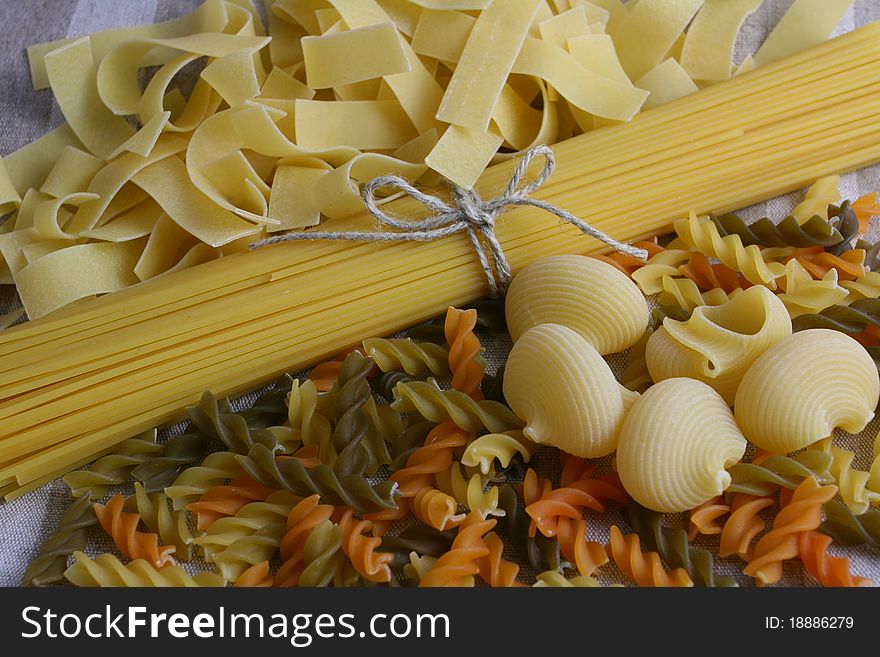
<point>468,213</point>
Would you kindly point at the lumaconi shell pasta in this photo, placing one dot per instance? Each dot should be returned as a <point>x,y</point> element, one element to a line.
<point>719,343</point>
<point>675,444</point>
<point>587,295</point>
<point>805,386</point>
<point>565,391</point>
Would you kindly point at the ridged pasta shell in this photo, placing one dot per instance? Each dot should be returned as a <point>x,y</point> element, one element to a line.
<point>565,391</point>
<point>587,295</point>
<point>805,386</point>
<point>719,343</point>
<point>675,444</point>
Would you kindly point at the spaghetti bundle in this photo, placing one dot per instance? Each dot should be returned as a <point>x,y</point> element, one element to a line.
<point>78,381</point>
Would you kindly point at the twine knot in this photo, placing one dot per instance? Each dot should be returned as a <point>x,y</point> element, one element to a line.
<point>466,213</point>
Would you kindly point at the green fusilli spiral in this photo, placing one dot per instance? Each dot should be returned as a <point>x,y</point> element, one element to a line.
<point>673,547</point>
<point>115,468</point>
<point>415,358</point>
<point>107,570</point>
<point>352,490</point>
<point>160,471</point>
<point>270,408</point>
<point>845,527</point>
<point>385,383</point>
<point>851,319</point>
<point>350,430</point>
<point>322,555</point>
<point>192,483</point>
<point>541,552</point>
<point>49,565</point>
<point>816,231</point>
<point>421,539</point>
<point>846,222</point>
<point>214,418</point>
<point>784,471</point>
<point>438,405</point>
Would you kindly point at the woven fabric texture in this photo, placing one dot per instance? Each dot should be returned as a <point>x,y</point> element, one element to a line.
<point>26,115</point>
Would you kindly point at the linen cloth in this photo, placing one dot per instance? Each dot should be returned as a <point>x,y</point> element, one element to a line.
<point>26,115</point>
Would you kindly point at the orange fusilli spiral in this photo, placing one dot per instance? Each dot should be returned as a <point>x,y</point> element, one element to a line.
<point>257,576</point>
<point>464,351</point>
<point>644,568</point>
<point>226,500</point>
<point>702,519</point>
<point>627,263</point>
<point>301,520</point>
<point>710,276</point>
<point>801,514</point>
<point>494,569</point>
<point>464,555</point>
<point>828,570</point>
<point>534,487</point>
<point>433,457</point>
<point>865,207</point>
<point>743,525</point>
<point>437,509</point>
<point>361,548</point>
<point>850,265</point>
<point>559,512</point>
<point>122,527</point>
<point>570,500</point>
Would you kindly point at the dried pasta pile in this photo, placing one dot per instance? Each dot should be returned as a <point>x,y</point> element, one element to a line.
<point>321,482</point>
<point>282,126</point>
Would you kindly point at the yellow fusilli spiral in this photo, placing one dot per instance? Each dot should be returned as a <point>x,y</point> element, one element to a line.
<point>866,287</point>
<point>107,570</point>
<point>501,446</point>
<point>309,426</point>
<point>683,292</point>
<point>192,483</point>
<point>803,294</point>
<point>856,486</point>
<point>415,358</point>
<point>438,405</point>
<point>665,264</point>
<point>819,196</point>
<point>171,526</point>
<point>557,580</point>
<point>702,234</point>
<point>470,491</point>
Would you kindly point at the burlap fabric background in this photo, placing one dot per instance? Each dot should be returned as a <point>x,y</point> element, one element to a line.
<point>26,115</point>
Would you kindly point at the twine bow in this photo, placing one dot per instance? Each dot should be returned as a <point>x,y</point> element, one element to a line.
<point>466,213</point>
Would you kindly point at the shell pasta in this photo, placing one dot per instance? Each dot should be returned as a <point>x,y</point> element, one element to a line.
<point>675,444</point>
<point>568,396</point>
<point>805,386</point>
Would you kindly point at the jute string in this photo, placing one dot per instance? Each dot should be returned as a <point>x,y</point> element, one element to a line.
<point>467,213</point>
